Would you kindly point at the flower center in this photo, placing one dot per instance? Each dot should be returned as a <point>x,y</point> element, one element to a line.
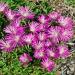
<point>62,51</point>
<point>7,45</point>
<point>51,53</point>
<point>43,20</point>
<point>55,33</point>
<point>17,38</point>
<point>46,64</point>
<point>65,33</point>
<point>41,54</point>
<point>25,14</point>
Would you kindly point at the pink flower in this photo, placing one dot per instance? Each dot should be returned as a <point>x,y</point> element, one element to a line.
<point>54,15</point>
<point>7,45</point>
<point>34,27</point>
<point>16,22</point>
<point>65,22</point>
<point>42,27</point>
<point>39,53</point>
<point>66,34</point>
<point>41,36</point>
<point>3,6</point>
<point>53,33</point>
<point>16,38</point>
<point>25,58</point>
<point>26,12</point>
<point>52,52</point>
<point>12,29</point>
<point>11,15</point>
<point>29,38</point>
<point>48,43</point>
<point>48,64</point>
<point>43,19</point>
<point>63,51</point>
<point>37,44</point>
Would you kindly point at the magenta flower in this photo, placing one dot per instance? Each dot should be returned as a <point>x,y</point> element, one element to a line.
<point>41,36</point>
<point>7,45</point>
<point>43,19</point>
<point>16,22</point>
<point>37,44</point>
<point>66,34</point>
<point>26,12</point>
<point>48,64</point>
<point>42,27</point>
<point>65,22</point>
<point>39,54</point>
<point>48,43</point>
<point>52,52</point>
<point>34,27</point>
<point>63,51</point>
<point>3,6</point>
<point>16,38</point>
<point>12,29</point>
<point>53,33</point>
<point>11,15</point>
<point>54,15</point>
<point>25,58</point>
<point>29,38</point>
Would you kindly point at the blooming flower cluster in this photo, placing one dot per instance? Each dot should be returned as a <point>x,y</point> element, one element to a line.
<point>48,35</point>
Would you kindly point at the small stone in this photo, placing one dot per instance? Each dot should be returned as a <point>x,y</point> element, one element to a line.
<point>68,72</point>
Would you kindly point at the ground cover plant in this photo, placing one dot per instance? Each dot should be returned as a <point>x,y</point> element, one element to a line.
<point>33,38</point>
